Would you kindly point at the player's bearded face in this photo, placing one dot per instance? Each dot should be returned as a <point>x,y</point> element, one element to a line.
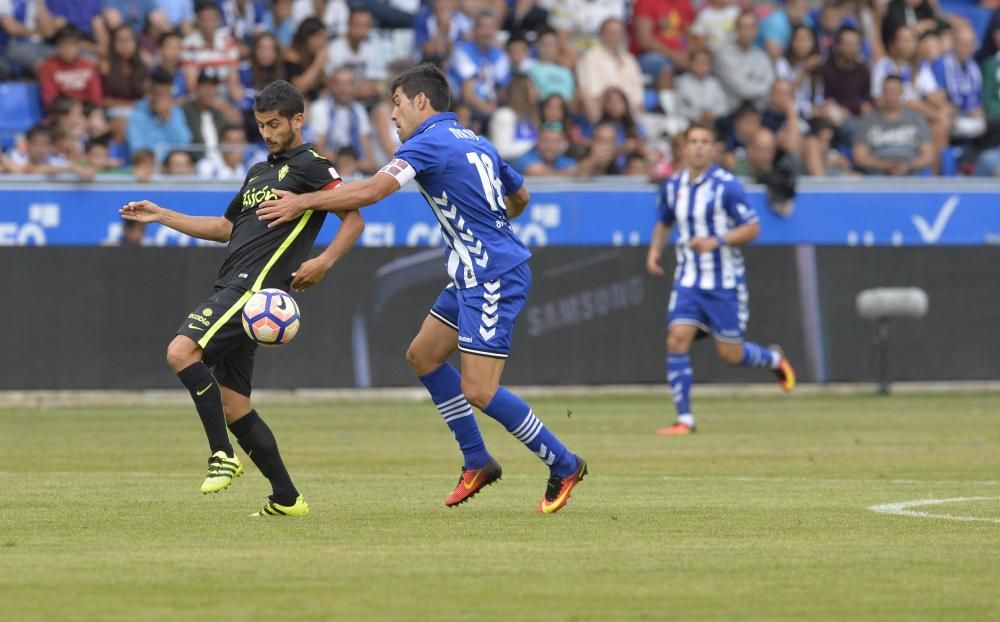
<point>278,132</point>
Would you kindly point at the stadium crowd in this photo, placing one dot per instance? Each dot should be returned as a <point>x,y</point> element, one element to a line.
<point>561,87</point>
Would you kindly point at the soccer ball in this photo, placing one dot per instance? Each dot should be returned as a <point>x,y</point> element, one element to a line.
<point>271,317</point>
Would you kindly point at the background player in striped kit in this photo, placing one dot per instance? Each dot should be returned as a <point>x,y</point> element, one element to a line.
<point>713,219</point>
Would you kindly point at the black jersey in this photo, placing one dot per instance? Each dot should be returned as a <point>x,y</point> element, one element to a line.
<point>260,257</point>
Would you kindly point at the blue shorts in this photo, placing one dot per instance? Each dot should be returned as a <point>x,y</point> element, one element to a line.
<point>723,313</point>
<point>484,315</point>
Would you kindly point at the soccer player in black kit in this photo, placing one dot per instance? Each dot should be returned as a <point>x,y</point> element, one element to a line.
<point>210,353</point>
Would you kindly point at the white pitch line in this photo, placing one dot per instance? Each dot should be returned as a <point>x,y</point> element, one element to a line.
<point>902,509</point>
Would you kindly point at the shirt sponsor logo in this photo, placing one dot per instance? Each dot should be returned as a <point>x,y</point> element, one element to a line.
<point>199,318</point>
<point>255,196</point>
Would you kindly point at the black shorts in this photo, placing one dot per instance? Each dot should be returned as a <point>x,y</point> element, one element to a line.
<point>217,327</point>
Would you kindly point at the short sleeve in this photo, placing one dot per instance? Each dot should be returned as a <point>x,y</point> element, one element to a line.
<point>320,174</point>
<point>925,82</point>
<point>510,178</point>
<point>734,201</point>
<point>235,207</point>
<point>419,154</point>
<point>664,204</point>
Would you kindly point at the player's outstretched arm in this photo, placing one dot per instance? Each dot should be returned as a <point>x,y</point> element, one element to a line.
<point>215,228</point>
<point>313,270</point>
<point>289,206</point>
<point>659,237</point>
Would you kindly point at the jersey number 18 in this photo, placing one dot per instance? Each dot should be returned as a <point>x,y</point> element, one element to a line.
<point>492,187</point>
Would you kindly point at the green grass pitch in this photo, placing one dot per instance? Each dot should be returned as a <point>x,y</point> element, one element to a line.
<point>762,515</point>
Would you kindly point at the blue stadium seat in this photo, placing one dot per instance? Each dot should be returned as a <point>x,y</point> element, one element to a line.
<point>20,108</point>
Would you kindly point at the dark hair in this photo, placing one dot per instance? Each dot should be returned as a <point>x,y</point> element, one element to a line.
<point>170,154</point>
<point>348,151</point>
<point>126,76</point>
<point>789,52</point>
<point>143,155</point>
<point>847,29</point>
<point>281,97</point>
<point>100,141</point>
<point>260,75</point>
<point>203,5</point>
<point>426,79</point>
<point>161,76</point>
<point>308,27</point>
<point>698,125</point>
<point>167,35</point>
<point>62,104</point>
<point>627,121</point>
<point>745,109</point>
<point>893,77</point>
<point>232,128</point>
<point>358,10</point>
<point>69,31</point>
<point>38,130</point>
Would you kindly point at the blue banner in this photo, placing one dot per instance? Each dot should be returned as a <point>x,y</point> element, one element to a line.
<point>582,214</point>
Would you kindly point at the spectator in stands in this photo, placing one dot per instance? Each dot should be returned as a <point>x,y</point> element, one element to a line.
<point>846,80</point>
<point>745,71</point>
<point>699,94</point>
<point>385,134</point>
<point>778,30</point>
<point>123,76</point>
<point>765,164</point>
<point>555,112</point>
<point>659,35</point>
<point>156,120</point>
<point>959,76</point>
<point>39,157</point>
<point>67,114</point>
<point>549,76</point>
<point>117,130</point>
<point>244,18</point>
<point>84,14</point>
<point>526,19</point>
<point>629,136</point>
<point>178,163</point>
<point>742,125</point>
<point>920,90</point>
<point>279,21</point>
<point>67,73</point>
<point>519,54</point>
<point>893,140</point>
<point>306,57</point>
<point>784,118</point>
<point>338,120</point>
<point>609,64</point>
<point>143,165</point>
<point>830,19</point>
<point>991,73</point>
<point>347,164</point>
<point>800,66</point>
<point>548,158</point>
<point>229,161</point>
<point>579,22</point>
<point>211,48</point>
<point>133,233</point>
<point>168,58</point>
<point>207,114</point>
<point>178,13</point>
<point>929,47</point>
<point>480,70</point>
<point>264,66</point>
<point>357,51</point>
<point>97,157</point>
<point>602,158</point>
<point>439,29</point>
<point>332,14</point>
<point>514,128</point>
<point>131,13</point>
<point>25,26</point>
<point>819,156</point>
<point>714,26</point>
<point>919,15</point>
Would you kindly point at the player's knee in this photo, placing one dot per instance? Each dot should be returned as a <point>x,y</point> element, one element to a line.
<point>477,393</point>
<point>182,353</point>
<point>417,359</point>
<point>677,344</point>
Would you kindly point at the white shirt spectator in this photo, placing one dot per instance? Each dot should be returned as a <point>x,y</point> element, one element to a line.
<point>583,18</point>
<point>716,25</point>
<point>600,69</point>
<point>366,61</point>
<point>339,126</point>
<point>214,167</point>
<point>334,17</point>
<point>696,97</point>
<point>914,87</point>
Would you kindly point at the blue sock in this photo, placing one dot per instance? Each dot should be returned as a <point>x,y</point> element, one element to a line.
<point>445,386</point>
<point>517,417</point>
<point>679,378</point>
<point>755,355</point>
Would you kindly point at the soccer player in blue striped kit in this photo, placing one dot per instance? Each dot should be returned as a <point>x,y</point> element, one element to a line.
<point>713,220</point>
<point>473,194</point>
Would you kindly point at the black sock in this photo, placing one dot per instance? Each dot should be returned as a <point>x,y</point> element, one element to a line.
<point>207,398</point>
<point>258,441</point>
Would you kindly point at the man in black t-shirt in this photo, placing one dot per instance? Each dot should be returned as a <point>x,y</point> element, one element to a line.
<point>211,354</point>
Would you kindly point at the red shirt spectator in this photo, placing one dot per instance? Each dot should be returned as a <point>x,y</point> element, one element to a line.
<point>669,21</point>
<point>66,73</point>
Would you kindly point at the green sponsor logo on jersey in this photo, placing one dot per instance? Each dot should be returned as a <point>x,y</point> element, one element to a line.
<point>255,196</point>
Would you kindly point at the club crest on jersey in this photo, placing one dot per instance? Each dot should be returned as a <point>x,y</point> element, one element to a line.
<point>282,172</point>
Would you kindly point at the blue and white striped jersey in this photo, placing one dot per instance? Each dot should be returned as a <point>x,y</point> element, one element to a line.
<point>709,206</point>
<point>464,181</point>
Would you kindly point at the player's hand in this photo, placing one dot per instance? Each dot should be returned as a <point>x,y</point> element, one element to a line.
<point>653,264</point>
<point>286,208</point>
<point>140,211</point>
<point>703,245</point>
<point>309,274</point>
